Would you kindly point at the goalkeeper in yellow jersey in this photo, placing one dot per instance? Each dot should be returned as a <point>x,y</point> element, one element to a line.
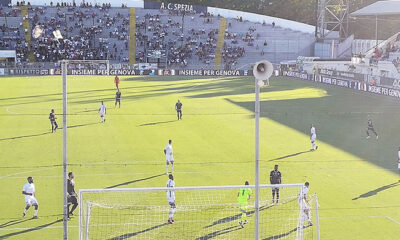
<point>243,197</point>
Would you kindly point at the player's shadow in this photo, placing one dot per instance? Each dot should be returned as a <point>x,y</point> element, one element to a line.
<point>29,229</point>
<point>82,125</point>
<point>156,123</point>
<point>135,181</point>
<point>130,235</point>
<point>14,222</point>
<point>219,232</point>
<point>288,156</point>
<point>25,136</point>
<point>45,133</point>
<point>284,235</point>
<point>376,191</point>
<point>236,217</point>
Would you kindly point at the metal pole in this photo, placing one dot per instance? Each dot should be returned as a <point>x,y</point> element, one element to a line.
<point>317,216</point>
<point>257,133</point>
<point>376,29</point>
<point>65,201</point>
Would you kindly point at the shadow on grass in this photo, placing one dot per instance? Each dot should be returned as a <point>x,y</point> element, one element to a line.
<point>14,222</point>
<point>29,230</point>
<point>45,133</point>
<point>288,156</point>
<point>219,232</point>
<point>25,136</point>
<point>134,181</point>
<point>130,235</point>
<point>282,235</point>
<point>155,123</point>
<point>376,191</point>
<point>237,216</point>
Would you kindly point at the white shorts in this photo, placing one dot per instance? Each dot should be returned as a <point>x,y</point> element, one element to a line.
<point>398,166</point>
<point>171,199</point>
<point>102,114</point>
<point>313,138</point>
<point>170,159</point>
<point>31,201</point>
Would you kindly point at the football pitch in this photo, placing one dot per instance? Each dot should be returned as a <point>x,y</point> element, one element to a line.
<point>355,178</point>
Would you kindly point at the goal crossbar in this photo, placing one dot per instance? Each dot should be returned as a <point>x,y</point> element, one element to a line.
<point>81,191</point>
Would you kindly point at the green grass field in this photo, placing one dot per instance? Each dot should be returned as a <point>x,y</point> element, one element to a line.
<point>355,178</point>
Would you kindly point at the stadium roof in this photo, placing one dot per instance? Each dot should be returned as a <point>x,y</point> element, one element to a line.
<point>379,8</point>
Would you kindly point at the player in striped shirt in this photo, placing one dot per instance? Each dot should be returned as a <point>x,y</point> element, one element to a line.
<point>53,121</point>
<point>370,127</point>
<point>275,177</point>
<point>243,197</point>
<point>171,198</point>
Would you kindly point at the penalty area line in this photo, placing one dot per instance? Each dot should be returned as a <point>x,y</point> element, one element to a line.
<point>391,219</point>
<point>18,173</point>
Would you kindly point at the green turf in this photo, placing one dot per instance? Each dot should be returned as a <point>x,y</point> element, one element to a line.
<point>356,179</point>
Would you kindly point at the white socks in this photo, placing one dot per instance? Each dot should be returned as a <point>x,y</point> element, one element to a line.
<point>171,212</point>
<point>35,214</point>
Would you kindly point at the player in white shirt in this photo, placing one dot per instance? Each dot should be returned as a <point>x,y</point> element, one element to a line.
<point>30,199</point>
<point>102,112</point>
<point>171,198</point>
<point>313,138</point>
<point>168,151</point>
<point>398,159</point>
<point>303,202</point>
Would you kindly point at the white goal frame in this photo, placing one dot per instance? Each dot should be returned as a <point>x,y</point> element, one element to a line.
<point>299,235</point>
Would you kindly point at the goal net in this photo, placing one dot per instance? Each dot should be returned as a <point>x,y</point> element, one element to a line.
<point>200,213</point>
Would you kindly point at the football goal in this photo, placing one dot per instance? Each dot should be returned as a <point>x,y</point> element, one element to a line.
<point>213,212</point>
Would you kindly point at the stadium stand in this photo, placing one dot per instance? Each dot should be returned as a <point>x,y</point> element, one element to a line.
<point>170,38</point>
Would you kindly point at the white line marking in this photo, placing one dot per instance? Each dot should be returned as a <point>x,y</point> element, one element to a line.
<point>18,173</point>
<point>391,219</point>
<point>341,217</point>
<point>9,111</point>
<point>39,228</point>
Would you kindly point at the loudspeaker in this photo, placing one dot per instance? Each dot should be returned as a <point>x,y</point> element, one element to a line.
<point>263,70</point>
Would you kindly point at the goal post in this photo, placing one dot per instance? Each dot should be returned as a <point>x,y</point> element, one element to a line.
<point>210,212</point>
<point>81,67</point>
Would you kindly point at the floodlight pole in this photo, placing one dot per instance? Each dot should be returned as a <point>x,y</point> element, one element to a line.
<point>65,165</point>
<point>257,154</point>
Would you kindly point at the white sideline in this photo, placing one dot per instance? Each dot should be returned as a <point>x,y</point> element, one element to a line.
<point>18,173</point>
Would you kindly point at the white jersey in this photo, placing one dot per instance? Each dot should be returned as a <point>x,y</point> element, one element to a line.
<point>313,131</point>
<point>102,109</point>
<point>29,188</point>
<point>170,193</point>
<point>300,198</point>
<point>169,152</point>
<point>398,165</point>
<point>313,134</point>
